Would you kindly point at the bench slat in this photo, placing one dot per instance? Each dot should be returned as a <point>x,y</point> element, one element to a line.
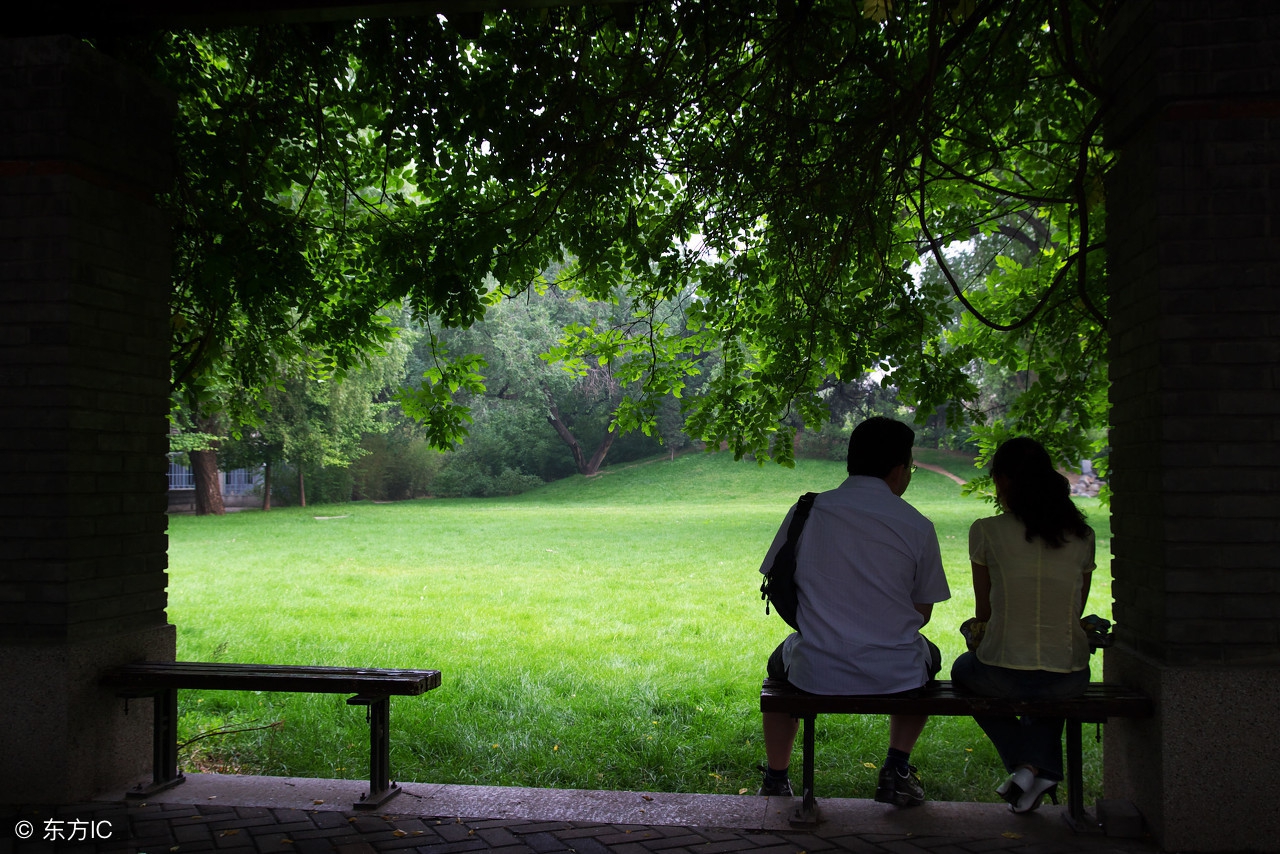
<point>1099,702</point>
<point>148,675</point>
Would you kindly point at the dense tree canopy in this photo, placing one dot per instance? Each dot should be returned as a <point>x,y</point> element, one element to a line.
<point>762,180</point>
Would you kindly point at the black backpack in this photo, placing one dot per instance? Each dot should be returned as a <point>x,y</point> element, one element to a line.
<point>779,585</point>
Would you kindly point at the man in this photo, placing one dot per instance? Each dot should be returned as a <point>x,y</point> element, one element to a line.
<point>868,572</point>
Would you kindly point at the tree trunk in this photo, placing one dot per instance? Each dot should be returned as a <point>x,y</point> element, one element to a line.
<point>266,486</point>
<point>553,418</point>
<point>586,467</point>
<point>597,459</point>
<point>302,488</point>
<point>204,470</point>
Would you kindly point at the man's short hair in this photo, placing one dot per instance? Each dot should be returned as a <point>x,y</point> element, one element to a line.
<point>877,445</point>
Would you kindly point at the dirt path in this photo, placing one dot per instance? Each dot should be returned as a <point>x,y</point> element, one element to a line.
<point>940,470</point>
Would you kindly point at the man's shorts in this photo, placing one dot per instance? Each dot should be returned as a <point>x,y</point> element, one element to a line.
<point>777,668</point>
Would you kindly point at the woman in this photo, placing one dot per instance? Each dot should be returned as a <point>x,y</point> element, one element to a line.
<point>1031,570</point>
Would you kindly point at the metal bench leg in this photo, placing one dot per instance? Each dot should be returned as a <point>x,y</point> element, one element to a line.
<point>1075,816</point>
<point>806,815</point>
<point>164,745</point>
<point>381,789</point>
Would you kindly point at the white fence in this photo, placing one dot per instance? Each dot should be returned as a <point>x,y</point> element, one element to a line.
<point>234,483</point>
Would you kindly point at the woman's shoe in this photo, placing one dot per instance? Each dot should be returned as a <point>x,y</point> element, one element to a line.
<point>1018,782</point>
<point>1031,796</point>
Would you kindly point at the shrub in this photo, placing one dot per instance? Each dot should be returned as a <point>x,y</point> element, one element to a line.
<point>397,466</point>
<point>513,482</point>
<point>324,485</point>
<point>462,477</point>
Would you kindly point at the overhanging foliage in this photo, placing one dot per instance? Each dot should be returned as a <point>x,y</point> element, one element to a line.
<point>774,170</point>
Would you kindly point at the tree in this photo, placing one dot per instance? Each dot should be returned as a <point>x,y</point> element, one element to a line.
<point>309,419</point>
<point>598,384</point>
<point>200,444</point>
<point>204,474</point>
<point>519,344</point>
<point>775,168</point>
<point>252,449</point>
<point>320,420</point>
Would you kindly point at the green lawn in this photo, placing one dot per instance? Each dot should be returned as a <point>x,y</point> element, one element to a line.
<point>603,633</point>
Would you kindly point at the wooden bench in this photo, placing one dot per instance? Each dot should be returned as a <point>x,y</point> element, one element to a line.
<point>372,688</point>
<point>1099,702</point>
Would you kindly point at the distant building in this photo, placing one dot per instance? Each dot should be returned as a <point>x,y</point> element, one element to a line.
<point>240,488</point>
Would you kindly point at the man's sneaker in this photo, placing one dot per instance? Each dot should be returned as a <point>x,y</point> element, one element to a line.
<point>901,790</point>
<point>780,788</point>
<point>771,787</point>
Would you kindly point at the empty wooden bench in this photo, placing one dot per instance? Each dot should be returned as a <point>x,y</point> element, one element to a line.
<point>370,687</point>
<point>1099,702</point>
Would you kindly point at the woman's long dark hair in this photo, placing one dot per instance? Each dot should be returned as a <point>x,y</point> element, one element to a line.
<point>1036,493</point>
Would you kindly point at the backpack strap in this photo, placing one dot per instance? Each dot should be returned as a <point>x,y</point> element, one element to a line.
<point>780,579</point>
<point>803,506</point>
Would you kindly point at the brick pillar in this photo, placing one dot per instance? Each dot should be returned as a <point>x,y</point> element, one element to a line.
<point>84,269</point>
<point>1194,261</point>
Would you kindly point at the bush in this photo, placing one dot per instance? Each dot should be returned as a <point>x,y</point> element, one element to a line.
<point>513,482</point>
<point>830,444</point>
<point>397,466</point>
<point>464,476</point>
<point>518,438</point>
<point>323,484</point>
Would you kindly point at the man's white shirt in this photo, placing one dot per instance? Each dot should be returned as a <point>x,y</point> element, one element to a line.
<point>864,559</point>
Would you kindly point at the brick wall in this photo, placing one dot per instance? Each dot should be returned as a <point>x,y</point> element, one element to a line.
<point>1194,236</point>
<point>83,344</point>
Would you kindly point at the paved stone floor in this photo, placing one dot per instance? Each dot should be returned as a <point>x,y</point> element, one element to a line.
<point>218,813</point>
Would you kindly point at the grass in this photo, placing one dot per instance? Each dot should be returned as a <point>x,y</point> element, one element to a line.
<point>596,633</point>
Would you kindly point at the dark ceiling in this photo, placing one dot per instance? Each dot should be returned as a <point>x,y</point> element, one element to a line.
<point>34,17</point>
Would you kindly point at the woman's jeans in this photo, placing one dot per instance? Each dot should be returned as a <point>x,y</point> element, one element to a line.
<point>1025,740</point>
